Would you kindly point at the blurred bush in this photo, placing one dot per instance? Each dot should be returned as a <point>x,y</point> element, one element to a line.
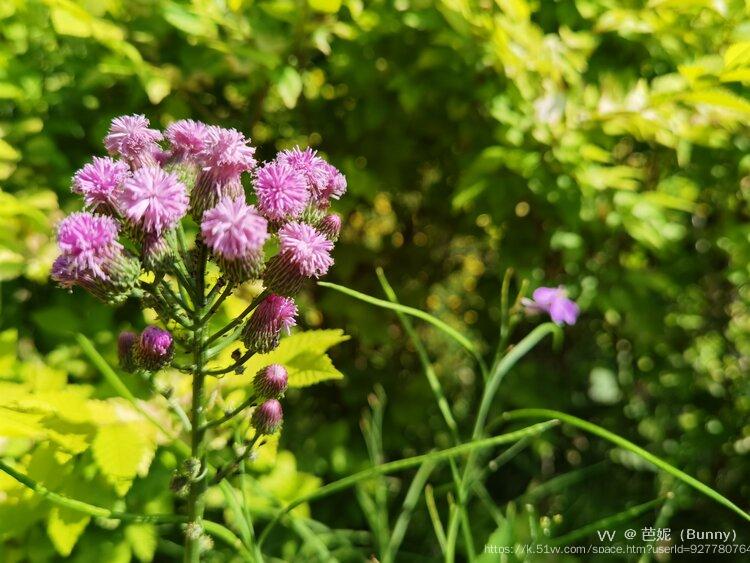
<point>591,143</point>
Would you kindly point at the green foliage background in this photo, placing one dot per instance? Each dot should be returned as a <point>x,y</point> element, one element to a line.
<point>598,144</point>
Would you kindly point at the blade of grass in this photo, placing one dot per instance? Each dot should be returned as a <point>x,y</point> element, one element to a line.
<point>410,501</point>
<point>437,391</point>
<point>401,464</point>
<point>608,522</point>
<point>437,525</point>
<point>631,447</point>
<point>437,323</point>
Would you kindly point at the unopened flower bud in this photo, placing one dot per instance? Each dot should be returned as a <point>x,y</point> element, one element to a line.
<point>191,468</point>
<point>193,530</point>
<point>155,348</point>
<point>270,382</point>
<point>274,315</point>
<point>125,346</point>
<point>268,417</point>
<point>330,226</point>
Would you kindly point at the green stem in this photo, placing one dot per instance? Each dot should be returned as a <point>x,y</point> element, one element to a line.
<point>100,512</point>
<point>238,320</point>
<point>250,401</point>
<point>196,501</point>
<point>215,307</point>
<point>238,364</point>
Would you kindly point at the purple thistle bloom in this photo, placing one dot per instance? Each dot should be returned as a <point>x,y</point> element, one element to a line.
<point>270,382</point>
<point>311,166</point>
<point>87,242</point>
<point>236,233</point>
<point>274,315</point>
<point>553,301</point>
<point>99,182</point>
<point>306,249</point>
<point>334,187</point>
<point>153,199</point>
<point>224,158</point>
<point>126,342</point>
<point>330,226</point>
<point>303,253</point>
<point>130,137</point>
<point>187,137</point>
<point>227,154</point>
<point>155,348</point>
<point>282,191</point>
<point>92,258</point>
<point>234,229</point>
<point>268,417</point>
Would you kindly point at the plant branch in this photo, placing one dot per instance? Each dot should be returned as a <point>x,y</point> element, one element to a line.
<point>238,364</point>
<point>249,402</point>
<point>238,320</point>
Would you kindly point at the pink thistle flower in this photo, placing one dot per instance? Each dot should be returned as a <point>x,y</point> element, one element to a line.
<point>274,315</point>
<point>553,301</point>
<point>92,258</point>
<point>305,248</point>
<point>282,191</point>
<point>310,165</point>
<point>335,185</point>
<point>270,382</point>
<point>236,233</point>
<point>225,157</point>
<point>130,137</point>
<point>303,253</point>
<point>155,348</point>
<point>268,417</point>
<point>87,242</point>
<point>187,137</point>
<point>99,182</point>
<point>227,154</point>
<point>153,199</point>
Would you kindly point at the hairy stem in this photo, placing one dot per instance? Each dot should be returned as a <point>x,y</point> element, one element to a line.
<point>197,413</point>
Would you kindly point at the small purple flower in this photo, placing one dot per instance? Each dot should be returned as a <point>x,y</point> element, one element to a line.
<point>153,199</point>
<point>130,137</point>
<point>227,154</point>
<point>87,242</point>
<point>310,165</point>
<point>155,348</point>
<point>236,233</point>
<point>282,191</point>
<point>268,417</point>
<point>99,182</point>
<point>306,249</point>
<point>224,158</point>
<point>330,226</point>
<point>270,382</point>
<point>92,258</point>
<point>335,185</point>
<point>303,253</point>
<point>187,137</point>
<point>126,342</point>
<point>234,229</point>
<point>553,301</point>
<point>274,315</point>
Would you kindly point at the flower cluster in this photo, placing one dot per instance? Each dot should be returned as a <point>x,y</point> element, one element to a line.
<point>269,222</point>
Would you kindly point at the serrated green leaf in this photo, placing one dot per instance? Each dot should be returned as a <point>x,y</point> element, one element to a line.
<point>120,450</point>
<point>142,539</point>
<point>64,527</point>
<point>304,356</point>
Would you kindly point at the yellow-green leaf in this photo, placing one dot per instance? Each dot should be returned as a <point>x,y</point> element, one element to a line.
<point>142,539</point>
<point>64,527</point>
<point>328,6</point>
<point>120,450</point>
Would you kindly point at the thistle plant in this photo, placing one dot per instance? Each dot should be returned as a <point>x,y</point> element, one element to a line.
<point>130,242</point>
